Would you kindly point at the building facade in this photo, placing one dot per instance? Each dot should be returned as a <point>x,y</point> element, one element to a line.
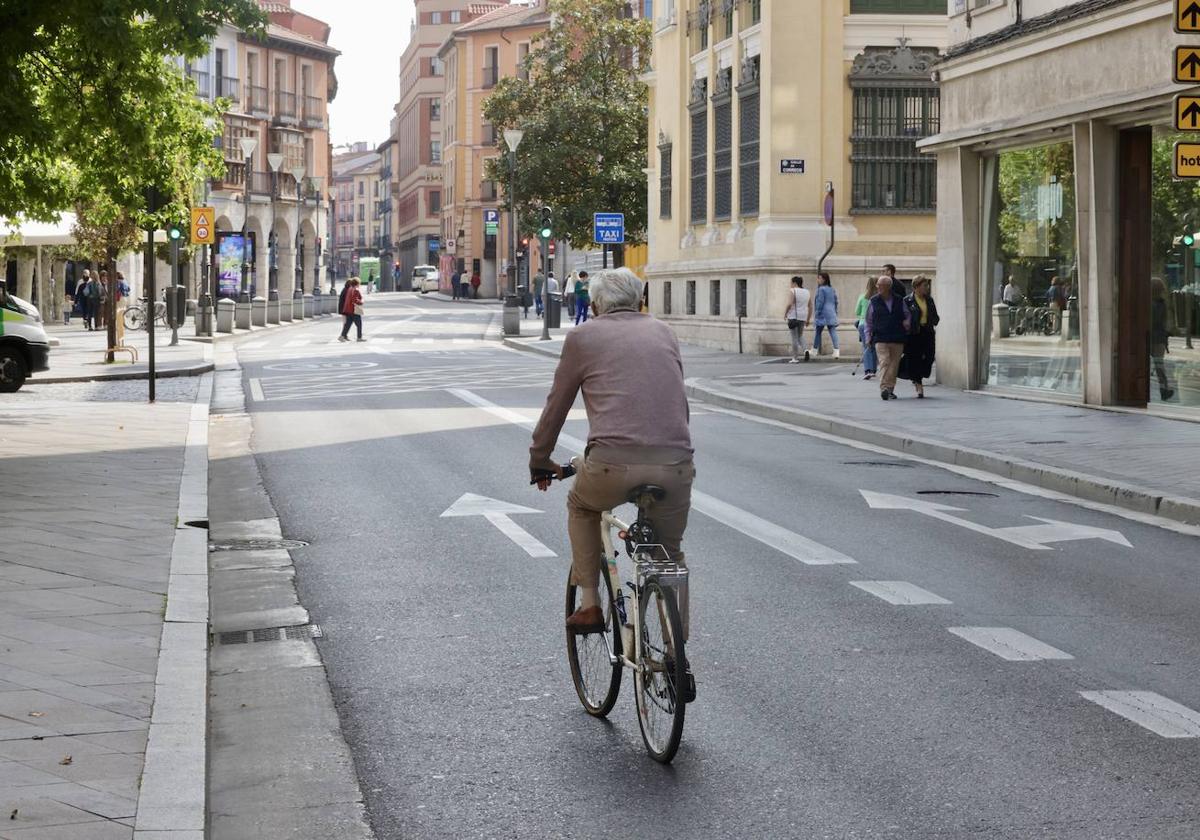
<point>475,57</point>
<point>756,106</point>
<point>358,191</point>
<point>1064,259</point>
<point>278,90</point>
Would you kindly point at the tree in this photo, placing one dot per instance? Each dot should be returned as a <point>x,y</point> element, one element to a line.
<point>583,111</point>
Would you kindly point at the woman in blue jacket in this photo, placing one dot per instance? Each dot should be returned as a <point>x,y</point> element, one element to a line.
<point>825,307</point>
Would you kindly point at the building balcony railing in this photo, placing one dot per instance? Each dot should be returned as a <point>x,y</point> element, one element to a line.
<point>314,115</point>
<point>285,106</point>
<point>200,77</point>
<point>229,88</point>
<point>234,178</point>
<point>260,183</point>
<point>256,99</point>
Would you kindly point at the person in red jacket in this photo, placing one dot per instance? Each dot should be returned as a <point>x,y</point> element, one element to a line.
<point>351,309</point>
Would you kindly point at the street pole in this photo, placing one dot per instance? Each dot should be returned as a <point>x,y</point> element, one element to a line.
<point>150,295</point>
<point>545,289</point>
<point>244,295</point>
<point>512,218</point>
<point>297,173</point>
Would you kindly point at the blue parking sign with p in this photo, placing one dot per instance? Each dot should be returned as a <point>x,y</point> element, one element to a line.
<point>609,228</point>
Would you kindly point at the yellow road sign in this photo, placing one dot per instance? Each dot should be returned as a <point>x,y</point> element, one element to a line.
<point>1187,113</point>
<point>1187,15</point>
<point>1186,160</point>
<point>203,221</point>
<point>1187,65</point>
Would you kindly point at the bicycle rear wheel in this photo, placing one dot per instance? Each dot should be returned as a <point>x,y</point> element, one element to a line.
<point>135,319</point>
<point>596,675</point>
<point>660,672</point>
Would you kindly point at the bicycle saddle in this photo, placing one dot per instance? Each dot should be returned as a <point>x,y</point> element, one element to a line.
<point>655,493</point>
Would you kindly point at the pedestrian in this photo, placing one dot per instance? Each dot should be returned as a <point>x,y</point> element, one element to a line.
<point>68,305</point>
<point>539,284</point>
<point>122,289</point>
<point>582,301</point>
<point>1160,334</point>
<point>825,307</point>
<point>920,346</point>
<point>569,294</point>
<point>526,298</point>
<point>464,285</point>
<point>1012,292</point>
<point>1056,299</point>
<point>371,283</point>
<point>101,317</point>
<point>454,285</point>
<point>869,361</point>
<point>85,293</point>
<point>887,328</point>
<point>352,309</point>
<point>798,313</point>
<point>476,282</point>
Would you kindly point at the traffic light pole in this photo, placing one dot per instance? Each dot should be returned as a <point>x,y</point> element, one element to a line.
<point>545,289</point>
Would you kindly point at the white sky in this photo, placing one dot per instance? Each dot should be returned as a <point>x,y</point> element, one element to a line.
<point>371,34</point>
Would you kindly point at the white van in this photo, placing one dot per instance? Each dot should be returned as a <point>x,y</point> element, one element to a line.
<point>24,346</point>
<point>425,278</point>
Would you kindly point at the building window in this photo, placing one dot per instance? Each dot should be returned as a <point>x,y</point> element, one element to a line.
<point>690,303</point>
<point>727,18</point>
<point>435,18</point>
<point>723,145</point>
<point>362,212</point>
<point>487,190</point>
<point>437,67</point>
<point>455,16</point>
<point>666,299</point>
<point>522,59</point>
<point>697,24</point>
<point>755,12</point>
<point>435,151</point>
<point>491,68</point>
<point>489,137</point>
<point>741,297</point>
<point>664,180</point>
<point>361,187</point>
<point>435,201</point>
<point>435,110</point>
<point>714,297</point>
<point>895,105</point>
<point>749,103</point>
<point>901,7</point>
<point>699,149</point>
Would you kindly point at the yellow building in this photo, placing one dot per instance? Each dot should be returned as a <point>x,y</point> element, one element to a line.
<point>756,106</point>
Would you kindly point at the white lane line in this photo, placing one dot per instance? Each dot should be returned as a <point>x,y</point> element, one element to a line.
<point>1149,710</point>
<point>1009,644</point>
<point>422,341</point>
<point>464,341</point>
<point>256,391</point>
<point>899,592</point>
<point>527,541</point>
<point>782,540</point>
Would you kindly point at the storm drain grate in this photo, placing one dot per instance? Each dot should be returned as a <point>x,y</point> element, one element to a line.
<point>256,545</point>
<point>1043,442</point>
<point>876,464</point>
<point>956,493</point>
<point>270,634</point>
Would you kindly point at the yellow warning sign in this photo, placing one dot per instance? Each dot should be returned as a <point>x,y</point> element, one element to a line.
<point>203,221</point>
<point>1186,160</point>
<point>1187,15</point>
<point>1187,65</point>
<point>1187,113</point>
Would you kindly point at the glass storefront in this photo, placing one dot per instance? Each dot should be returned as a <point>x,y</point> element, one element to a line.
<point>1174,287</point>
<point>1031,246</point>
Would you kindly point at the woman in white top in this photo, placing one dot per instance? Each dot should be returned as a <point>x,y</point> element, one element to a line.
<point>799,312</point>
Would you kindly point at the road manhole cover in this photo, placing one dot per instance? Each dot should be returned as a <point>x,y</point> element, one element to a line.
<point>256,545</point>
<point>301,367</point>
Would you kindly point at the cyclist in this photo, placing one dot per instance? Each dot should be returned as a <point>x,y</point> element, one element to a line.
<point>629,369</point>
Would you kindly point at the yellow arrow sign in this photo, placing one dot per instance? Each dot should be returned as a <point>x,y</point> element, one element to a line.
<point>1187,113</point>
<point>1187,65</point>
<point>1187,15</point>
<point>202,226</point>
<point>1186,160</point>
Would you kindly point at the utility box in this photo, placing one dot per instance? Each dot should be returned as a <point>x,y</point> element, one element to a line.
<point>176,297</point>
<point>554,312</point>
<point>512,315</point>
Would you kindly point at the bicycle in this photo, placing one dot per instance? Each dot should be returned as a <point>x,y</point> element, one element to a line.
<point>135,316</point>
<point>646,622</point>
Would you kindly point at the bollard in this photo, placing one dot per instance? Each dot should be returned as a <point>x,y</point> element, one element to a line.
<point>1002,320</point>
<point>258,312</point>
<point>512,315</point>
<point>285,310</point>
<point>308,306</point>
<point>241,318</point>
<point>272,312</point>
<point>225,309</point>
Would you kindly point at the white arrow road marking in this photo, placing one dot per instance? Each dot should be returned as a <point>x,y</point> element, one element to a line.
<point>256,391</point>
<point>768,533</point>
<point>899,592</point>
<point>1009,644</point>
<point>1153,711</point>
<point>497,513</point>
<point>1032,537</point>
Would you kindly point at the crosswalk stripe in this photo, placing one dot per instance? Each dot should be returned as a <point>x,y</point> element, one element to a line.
<point>301,342</point>
<point>1009,644</point>
<point>1149,710</point>
<point>422,341</point>
<point>899,592</point>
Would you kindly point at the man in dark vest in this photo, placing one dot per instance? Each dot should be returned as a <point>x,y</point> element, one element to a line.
<point>888,324</point>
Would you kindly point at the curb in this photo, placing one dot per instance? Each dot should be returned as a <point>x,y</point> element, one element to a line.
<point>526,347</point>
<point>1083,486</point>
<point>169,373</point>
<point>173,795</point>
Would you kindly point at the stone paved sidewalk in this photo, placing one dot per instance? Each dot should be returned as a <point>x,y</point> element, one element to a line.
<point>87,524</point>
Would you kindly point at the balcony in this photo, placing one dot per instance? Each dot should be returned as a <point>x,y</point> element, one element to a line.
<point>285,107</point>
<point>229,88</point>
<point>235,177</point>
<point>314,116</point>
<point>256,99</point>
<point>260,183</point>
<point>200,77</point>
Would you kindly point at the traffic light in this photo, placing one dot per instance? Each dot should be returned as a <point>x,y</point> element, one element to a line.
<point>1189,239</point>
<point>547,227</point>
<point>175,232</point>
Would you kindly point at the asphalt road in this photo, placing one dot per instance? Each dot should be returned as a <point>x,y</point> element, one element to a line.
<point>956,674</point>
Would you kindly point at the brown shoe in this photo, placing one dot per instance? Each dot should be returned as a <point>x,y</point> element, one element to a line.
<point>586,620</point>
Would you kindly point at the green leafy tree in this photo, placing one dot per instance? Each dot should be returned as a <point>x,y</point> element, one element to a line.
<point>583,111</point>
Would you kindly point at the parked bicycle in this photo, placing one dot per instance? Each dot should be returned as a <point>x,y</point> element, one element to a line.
<point>642,630</point>
<point>135,315</point>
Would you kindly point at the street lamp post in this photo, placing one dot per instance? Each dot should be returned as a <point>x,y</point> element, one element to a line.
<point>297,172</point>
<point>512,138</point>
<point>248,144</point>
<point>275,159</point>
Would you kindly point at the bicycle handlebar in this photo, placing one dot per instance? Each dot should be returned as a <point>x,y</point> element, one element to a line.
<point>568,470</point>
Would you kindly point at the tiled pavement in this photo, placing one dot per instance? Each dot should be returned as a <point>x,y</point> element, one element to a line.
<point>88,498</point>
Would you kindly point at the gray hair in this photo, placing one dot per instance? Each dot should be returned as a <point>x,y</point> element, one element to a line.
<point>618,288</point>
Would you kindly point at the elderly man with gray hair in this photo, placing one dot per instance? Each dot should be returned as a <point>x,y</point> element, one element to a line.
<point>628,367</point>
<point>888,326</point>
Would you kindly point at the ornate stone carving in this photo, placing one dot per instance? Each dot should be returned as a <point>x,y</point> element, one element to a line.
<point>749,73</point>
<point>724,81</point>
<point>699,91</point>
<point>901,61</point>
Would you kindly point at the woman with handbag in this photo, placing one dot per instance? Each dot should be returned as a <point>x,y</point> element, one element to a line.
<point>826,307</point>
<point>352,309</point>
<point>798,313</point>
<point>920,346</point>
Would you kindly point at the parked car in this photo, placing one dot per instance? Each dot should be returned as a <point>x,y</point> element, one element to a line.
<point>425,278</point>
<point>24,346</point>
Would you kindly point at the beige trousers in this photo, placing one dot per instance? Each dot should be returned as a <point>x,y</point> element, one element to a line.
<point>601,486</point>
<point>889,354</point>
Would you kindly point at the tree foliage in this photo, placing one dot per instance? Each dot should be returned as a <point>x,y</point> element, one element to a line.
<point>583,111</point>
<point>91,110</point>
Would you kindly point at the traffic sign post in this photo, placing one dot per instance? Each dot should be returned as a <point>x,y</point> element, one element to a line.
<point>203,231</point>
<point>609,228</point>
<point>1185,69</point>
<point>491,222</point>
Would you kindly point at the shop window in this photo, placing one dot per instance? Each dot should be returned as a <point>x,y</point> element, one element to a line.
<point>1032,288</point>
<point>895,104</point>
<point>690,303</point>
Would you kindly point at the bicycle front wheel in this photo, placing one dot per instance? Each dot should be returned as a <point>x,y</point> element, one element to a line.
<point>660,672</point>
<point>134,318</point>
<point>596,657</point>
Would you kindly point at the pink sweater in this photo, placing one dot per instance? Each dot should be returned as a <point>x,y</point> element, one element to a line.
<point>630,372</point>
